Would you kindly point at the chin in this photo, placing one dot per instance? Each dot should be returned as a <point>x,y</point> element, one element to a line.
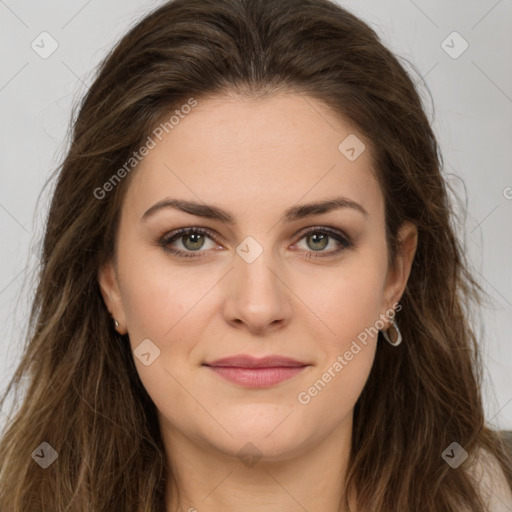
<point>275,444</point>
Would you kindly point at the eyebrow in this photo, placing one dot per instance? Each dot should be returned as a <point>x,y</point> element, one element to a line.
<point>293,213</point>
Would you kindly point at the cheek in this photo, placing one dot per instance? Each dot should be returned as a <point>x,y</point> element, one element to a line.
<point>151,306</point>
<point>157,297</point>
<point>334,392</point>
<point>168,307</point>
<point>351,310</point>
<point>348,301</point>
<point>159,307</point>
<point>349,305</point>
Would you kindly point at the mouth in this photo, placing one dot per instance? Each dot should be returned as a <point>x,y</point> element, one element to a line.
<point>252,372</point>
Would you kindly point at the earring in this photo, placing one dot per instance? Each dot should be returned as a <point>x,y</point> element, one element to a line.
<point>116,323</point>
<point>398,334</point>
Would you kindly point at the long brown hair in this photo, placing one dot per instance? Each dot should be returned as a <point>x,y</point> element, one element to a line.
<point>83,395</point>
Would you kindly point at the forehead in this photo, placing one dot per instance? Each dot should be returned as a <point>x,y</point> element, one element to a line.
<point>257,156</point>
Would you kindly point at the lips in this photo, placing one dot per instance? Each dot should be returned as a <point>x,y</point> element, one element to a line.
<point>254,372</point>
<point>245,361</point>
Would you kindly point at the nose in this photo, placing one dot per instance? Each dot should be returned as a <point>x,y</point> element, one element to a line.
<point>257,295</point>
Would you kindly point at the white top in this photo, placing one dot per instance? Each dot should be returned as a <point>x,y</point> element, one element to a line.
<point>493,484</point>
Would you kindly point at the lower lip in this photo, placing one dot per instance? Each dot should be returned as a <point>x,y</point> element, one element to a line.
<point>257,377</point>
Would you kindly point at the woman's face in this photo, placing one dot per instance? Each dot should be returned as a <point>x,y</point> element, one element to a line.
<point>257,285</point>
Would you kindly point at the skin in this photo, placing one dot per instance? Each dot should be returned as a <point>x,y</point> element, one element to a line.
<point>255,159</point>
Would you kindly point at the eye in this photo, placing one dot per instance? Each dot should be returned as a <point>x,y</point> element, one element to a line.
<point>318,239</point>
<point>192,241</point>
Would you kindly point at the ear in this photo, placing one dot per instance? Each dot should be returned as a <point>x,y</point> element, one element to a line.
<point>399,270</point>
<point>109,286</point>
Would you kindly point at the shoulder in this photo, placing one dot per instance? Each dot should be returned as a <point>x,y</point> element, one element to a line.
<point>491,482</point>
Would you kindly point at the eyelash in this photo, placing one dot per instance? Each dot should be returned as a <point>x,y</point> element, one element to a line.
<point>167,239</point>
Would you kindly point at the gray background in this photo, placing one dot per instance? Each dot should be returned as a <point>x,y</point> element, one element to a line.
<point>471,114</point>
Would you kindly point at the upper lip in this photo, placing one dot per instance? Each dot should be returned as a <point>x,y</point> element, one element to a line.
<point>246,361</point>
